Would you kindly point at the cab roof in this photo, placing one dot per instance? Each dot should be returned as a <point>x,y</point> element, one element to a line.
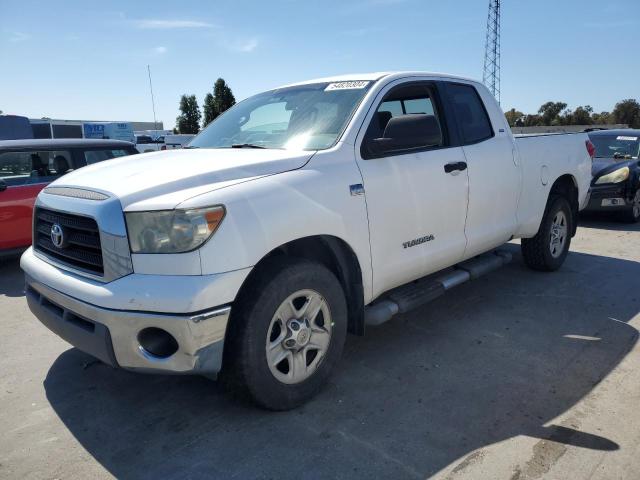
<point>375,76</point>
<point>55,143</point>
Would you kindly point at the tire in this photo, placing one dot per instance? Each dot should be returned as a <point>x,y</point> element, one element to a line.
<point>539,252</point>
<point>258,336</point>
<point>632,215</point>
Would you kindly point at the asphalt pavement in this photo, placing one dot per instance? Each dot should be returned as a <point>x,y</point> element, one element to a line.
<point>519,375</point>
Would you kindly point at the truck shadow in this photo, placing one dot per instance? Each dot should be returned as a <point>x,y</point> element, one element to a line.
<point>11,278</point>
<point>603,221</point>
<point>489,361</point>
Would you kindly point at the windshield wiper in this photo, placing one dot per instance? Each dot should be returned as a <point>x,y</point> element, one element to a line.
<point>246,145</point>
<point>189,147</point>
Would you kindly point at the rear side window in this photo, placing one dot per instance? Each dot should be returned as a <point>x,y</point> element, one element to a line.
<point>95,156</point>
<point>471,115</point>
<point>24,168</point>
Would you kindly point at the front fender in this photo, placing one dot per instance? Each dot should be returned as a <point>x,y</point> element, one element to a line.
<point>268,212</point>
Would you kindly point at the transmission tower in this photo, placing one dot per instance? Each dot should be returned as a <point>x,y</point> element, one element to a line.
<point>491,72</point>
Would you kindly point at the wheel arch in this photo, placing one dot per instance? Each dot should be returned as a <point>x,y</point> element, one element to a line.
<point>335,254</point>
<point>567,186</point>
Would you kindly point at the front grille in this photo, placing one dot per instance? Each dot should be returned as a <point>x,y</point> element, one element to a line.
<point>81,248</point>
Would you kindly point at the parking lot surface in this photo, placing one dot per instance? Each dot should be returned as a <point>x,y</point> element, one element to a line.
<point>520,375</point>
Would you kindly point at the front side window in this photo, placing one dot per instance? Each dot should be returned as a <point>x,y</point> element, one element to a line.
<point>95,156</point>
<point>307,117</point>
<point>24,168</point>
<point>405,120</point>
<point>472,118</point>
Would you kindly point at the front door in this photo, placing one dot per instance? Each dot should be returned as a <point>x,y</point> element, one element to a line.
<point>416,190</point>
<point>23,175</point>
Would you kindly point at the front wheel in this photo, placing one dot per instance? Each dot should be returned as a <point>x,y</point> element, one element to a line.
<point>632,215</point>
<point>287,333</point>
<point>550,246</point>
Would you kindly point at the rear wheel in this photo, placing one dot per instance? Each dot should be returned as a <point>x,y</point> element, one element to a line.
<point>548,249</point>
<point>632,215</point>
<point>287,333</point>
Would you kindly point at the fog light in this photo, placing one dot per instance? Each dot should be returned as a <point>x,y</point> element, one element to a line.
<point>157,342</point>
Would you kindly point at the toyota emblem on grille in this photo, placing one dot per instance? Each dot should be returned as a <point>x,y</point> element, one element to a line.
<point>57,235</point>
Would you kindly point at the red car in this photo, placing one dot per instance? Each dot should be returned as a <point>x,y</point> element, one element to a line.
<point>27,166</point>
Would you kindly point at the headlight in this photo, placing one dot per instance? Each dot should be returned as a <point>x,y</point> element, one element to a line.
<point>172,231</point>
<point>616,176</point>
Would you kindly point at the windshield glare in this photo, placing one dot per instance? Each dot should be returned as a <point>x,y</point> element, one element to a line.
<point>307,117</point>
<point>616,146</point>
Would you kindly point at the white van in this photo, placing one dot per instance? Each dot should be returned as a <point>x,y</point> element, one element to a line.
<point>172,142</point>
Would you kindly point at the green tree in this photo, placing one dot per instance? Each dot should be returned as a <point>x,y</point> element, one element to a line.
<point>514,117</point>
<point>550,111</point>
<point>582,116</point>
<point>532,120</point>
<point>627,111</point>
<point>602,118</point>
<point>208,109</point>
<point>189,119</point>
<point>221,100</point>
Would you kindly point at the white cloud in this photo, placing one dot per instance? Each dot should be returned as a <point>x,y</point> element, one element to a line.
<point>248,45</point>
<point>160,50</point>
<point>19,37</point>
<point>236,44</point>
<point>157,24</point>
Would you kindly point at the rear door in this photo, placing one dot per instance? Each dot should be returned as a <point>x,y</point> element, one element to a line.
<point>25,173</point>
<point>416,201</point>
<point>494,176</point>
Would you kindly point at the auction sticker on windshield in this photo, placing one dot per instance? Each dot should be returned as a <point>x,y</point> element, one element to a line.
<point>629,139</point>
<point>346,85</point>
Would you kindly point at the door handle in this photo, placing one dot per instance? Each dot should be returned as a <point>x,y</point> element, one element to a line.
<point>455,166</point>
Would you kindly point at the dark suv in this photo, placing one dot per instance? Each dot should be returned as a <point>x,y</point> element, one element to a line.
<point>616,173</point>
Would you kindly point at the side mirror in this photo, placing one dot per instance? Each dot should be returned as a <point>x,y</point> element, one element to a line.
<point>380,146</point>
<point>3,185</point>
<point>407,132</point>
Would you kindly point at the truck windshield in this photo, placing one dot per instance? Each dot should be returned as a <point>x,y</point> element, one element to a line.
<point>616,146</point>
<point>307,117</point>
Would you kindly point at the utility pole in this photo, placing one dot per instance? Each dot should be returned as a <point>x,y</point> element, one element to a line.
<point>153,103</point>
<point>491,71</point>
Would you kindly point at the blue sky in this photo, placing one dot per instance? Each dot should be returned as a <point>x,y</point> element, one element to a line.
<point>87,60</point>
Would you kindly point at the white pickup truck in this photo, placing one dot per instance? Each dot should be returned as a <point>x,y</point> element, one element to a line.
<point>300,214</point>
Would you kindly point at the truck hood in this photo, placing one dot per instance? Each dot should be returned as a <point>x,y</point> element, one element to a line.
<point>162,180</point>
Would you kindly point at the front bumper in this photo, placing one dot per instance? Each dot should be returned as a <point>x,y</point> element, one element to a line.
<point>105,319</point>
<point>112,335</point>
<point>608,198</point>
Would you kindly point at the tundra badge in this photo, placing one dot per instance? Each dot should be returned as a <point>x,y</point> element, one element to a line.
<point>418,241</point>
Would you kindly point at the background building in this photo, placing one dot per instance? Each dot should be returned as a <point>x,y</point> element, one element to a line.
<point>58,128</point>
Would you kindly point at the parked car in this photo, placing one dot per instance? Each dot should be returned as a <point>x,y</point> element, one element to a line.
<point>615,186</point>
<point>145,143</point>
<point>176,141</point>
<point>27,166</point>
<point>300,214</point>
